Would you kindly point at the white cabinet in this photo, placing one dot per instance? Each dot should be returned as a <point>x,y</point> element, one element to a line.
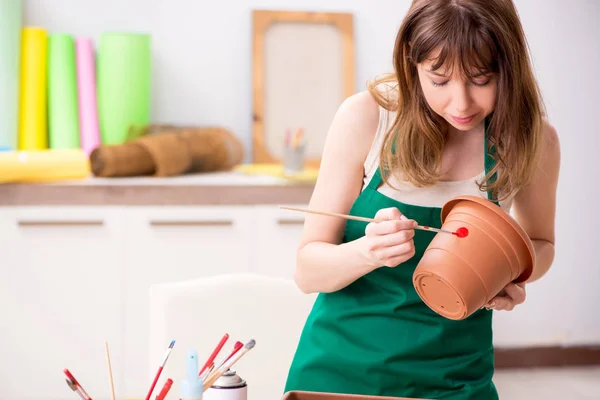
<point>169,244</point>
<point>278,234</point>
<point>61,296</point>
<point>73,277</point>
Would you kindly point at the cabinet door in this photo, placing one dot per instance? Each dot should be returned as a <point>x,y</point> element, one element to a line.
<point>175,244</point>
<point>61,297</point>
<point>278,236</point>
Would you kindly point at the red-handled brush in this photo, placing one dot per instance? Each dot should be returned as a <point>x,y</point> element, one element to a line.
<point>160,368</point>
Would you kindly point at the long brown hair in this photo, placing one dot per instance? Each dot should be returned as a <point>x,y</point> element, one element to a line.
<point>474,35</point>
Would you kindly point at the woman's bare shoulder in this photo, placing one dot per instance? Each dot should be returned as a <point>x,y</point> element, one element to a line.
<point>339,181</point>
<point>354,126</point>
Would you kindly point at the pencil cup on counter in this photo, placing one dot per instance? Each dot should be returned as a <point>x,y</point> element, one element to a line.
<point>294,152</point>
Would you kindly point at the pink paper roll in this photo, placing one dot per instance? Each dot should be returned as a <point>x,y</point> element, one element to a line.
<point>89,129</point>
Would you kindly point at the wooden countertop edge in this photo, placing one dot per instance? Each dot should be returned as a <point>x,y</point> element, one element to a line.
<point>150,195</point>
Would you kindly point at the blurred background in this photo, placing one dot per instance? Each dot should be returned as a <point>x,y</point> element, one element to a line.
<point>158,138</point>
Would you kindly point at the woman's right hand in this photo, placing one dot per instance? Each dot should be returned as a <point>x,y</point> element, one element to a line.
<point>389,241</point>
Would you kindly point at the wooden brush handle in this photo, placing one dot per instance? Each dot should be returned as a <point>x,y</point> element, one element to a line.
<point>363,219</point>
<point>330,214</point>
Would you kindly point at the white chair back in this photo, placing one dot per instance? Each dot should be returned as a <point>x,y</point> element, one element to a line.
<point>246,306</point>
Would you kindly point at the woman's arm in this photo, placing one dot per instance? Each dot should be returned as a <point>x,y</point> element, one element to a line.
<point>534,208</point>
<point>323,263</point>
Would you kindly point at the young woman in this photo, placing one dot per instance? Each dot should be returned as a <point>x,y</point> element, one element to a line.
<point>462,114</point>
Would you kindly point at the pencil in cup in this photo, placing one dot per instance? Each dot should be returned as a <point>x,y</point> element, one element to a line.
<point>299,139</point>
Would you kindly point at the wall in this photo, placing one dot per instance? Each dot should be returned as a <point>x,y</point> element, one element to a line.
<point>202,75</point>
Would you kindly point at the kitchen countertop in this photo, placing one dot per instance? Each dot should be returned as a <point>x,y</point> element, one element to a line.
<point>219,188</point>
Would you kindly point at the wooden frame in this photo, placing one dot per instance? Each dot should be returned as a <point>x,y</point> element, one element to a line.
<point>262,21</point>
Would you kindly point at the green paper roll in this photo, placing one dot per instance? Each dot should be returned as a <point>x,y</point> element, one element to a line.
<point>11,23</point>
<point>124,86</point>
<point>63,117</point>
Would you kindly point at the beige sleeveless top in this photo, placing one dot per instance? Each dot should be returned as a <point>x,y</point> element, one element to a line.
<point>405,192</point>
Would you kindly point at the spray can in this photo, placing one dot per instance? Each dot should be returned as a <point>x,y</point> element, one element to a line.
<point>230,386</point>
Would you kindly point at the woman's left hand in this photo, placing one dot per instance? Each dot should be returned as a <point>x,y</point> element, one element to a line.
<point>512,295</point>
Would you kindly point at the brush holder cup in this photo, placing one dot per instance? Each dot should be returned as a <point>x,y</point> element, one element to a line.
<point>458,276</point>
<point>294,159</point>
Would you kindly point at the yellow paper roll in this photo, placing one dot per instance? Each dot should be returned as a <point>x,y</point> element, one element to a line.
<point>33,120</point>
<point>43,165</point>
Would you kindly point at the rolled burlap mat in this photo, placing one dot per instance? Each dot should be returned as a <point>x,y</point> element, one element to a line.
<point>167,151</point>
<point>121,160</point>
<point>213,149</point>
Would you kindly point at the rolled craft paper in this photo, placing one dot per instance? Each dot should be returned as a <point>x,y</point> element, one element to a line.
<point>43,165</point>
<point>124,62</point>
<point>63,119</point>
<point>11,16</point>
<point>33,122</point>
<point>89,129</point>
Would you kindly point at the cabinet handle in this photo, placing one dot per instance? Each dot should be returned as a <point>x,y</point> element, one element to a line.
<point>290,221</point>
<point>171,223</point>
<point>52,223</point>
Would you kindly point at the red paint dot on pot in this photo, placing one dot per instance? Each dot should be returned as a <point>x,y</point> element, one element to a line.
<point>462,232</point>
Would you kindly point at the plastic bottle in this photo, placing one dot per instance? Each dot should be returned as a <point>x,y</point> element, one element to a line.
<point>192,385</point>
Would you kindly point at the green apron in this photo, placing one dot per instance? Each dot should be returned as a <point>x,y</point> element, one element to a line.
<point>377,337</point>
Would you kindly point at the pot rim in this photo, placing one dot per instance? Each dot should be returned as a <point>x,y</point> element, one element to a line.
<point>491,206</point>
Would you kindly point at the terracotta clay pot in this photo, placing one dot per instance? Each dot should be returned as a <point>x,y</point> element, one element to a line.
<point>299,395</point>
<point>457,276</point>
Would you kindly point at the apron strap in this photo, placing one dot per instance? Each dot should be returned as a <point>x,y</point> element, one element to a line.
<point>489,163</point>
<point>375,179</point>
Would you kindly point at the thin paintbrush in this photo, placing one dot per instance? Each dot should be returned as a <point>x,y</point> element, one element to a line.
<point>110,375</point>
<point>160,368</point>
<point>460,232</point>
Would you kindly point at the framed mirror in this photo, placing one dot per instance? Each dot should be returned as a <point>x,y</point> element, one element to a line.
<point>303,69</point>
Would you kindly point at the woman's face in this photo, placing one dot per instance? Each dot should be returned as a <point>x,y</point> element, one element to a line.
<point>464,103</point>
